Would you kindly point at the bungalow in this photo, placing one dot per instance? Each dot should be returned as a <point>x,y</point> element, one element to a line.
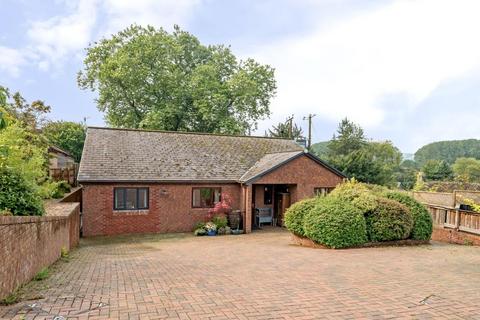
<point>138,181</point>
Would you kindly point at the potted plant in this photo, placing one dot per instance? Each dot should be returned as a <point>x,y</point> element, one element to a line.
<point>211,228</point>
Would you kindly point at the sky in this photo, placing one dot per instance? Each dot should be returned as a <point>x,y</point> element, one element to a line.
<point>406,71</point>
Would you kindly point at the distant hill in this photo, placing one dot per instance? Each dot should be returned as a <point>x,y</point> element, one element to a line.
<point>320,148</point>
<point>448,151</point>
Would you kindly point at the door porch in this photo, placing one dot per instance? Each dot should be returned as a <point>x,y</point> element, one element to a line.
<point>266,204</point>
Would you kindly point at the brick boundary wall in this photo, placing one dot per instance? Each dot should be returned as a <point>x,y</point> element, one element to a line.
<point>454,236</point>
<point>30,243</point>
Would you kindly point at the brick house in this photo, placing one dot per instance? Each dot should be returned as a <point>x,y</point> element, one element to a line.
<point>137,181</point>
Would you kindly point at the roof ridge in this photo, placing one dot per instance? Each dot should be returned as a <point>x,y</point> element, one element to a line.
<point>288,151</point>
<point>190,132</point>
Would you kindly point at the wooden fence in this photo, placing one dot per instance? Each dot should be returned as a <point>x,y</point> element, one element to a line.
<point>66,174</point>
<point>456,219</point>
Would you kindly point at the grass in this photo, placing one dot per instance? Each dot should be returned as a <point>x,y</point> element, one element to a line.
<point>64,255</point>
<point>42,274</point>
<point>12,298</point>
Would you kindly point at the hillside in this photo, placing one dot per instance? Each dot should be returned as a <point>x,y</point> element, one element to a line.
<point>448,151</point>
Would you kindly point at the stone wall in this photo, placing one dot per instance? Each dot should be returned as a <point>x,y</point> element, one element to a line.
<point>28,244</point>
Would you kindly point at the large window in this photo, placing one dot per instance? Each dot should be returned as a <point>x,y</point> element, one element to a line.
<point>130,198</point>
<point>205,197</point>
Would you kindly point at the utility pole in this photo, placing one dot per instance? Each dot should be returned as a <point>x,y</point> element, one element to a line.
<point>309,118</point>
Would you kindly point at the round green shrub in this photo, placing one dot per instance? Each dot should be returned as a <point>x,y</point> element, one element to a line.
<point>389,221</point>
<point>422,221</point>
<point>295,214</point>
<point>17,196</point>
<point>335,223</point>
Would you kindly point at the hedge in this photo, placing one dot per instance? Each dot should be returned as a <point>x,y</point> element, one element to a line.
<point>389,221</point>
<point>422,221</point>
<point>295,214</point>
<point>335,223</point>
<point>17,196</point>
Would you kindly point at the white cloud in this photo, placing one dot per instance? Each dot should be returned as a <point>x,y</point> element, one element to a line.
<point>54,39</point>
<point>62,37</point>
<point>406,47</point>
<point>11,61</point>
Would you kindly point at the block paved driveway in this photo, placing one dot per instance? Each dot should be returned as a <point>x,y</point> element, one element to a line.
<point>257,276</point>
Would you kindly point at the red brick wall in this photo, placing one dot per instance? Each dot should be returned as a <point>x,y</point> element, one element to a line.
<point>454,236</point>
<point>28,244</point>
<point>306,173</point>
<point>169,209</point>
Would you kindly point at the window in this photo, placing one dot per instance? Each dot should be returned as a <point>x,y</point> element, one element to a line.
<point>268,195</point>
<point>322,192</point>
<point>205,197</point>
<point>130,198</point>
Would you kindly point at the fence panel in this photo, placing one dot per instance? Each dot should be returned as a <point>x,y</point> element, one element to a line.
<point>469,222</point>
<point>435,198</point>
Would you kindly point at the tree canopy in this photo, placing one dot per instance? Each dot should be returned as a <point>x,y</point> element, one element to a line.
<point>371,162</point>
<point>149,78</point>
<point>282,130</point>
<point>436,170</point>
<point>467,170</point>
<point>66,135</point>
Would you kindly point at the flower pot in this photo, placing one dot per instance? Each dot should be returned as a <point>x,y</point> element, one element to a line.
<point>212,233</point>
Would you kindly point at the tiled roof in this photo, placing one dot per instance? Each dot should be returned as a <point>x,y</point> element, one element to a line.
<point>111,155</point>
<point>268,162</point>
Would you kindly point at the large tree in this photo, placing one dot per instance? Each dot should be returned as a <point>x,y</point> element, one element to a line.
<point>467,170</point>
<point>30,115</point>
<point>371,162</point>
<point>283,130</point>
<point>349,137</point>
<point>437,170</point>
<point>67,135</point>
<point>149,78</point>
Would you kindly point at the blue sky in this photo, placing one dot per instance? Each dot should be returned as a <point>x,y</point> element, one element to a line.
<point>407,71</point>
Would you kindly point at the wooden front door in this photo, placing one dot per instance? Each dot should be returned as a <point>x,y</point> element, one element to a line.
<point>283,202</point>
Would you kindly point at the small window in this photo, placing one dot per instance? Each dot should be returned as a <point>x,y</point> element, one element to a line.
<point>268,195</point>
<point>205,197</point>
<point>130,198</point>
<point>322,192</point>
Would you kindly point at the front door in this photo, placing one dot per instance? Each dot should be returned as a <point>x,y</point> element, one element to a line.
<point>281,203</point>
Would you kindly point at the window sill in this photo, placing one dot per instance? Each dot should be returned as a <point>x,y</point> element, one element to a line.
<point>130,212</point>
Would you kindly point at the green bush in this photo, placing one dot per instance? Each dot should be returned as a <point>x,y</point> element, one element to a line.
<point>63,186</point>
<point>54,189</point>
<point>220,221</point>
<point>350,190</point>
<point>389,221</point>
<point>17,196</point>
<point>422,221</point>
<point>295,214</point>
<point>365,202</point>
<point>335,223</point>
